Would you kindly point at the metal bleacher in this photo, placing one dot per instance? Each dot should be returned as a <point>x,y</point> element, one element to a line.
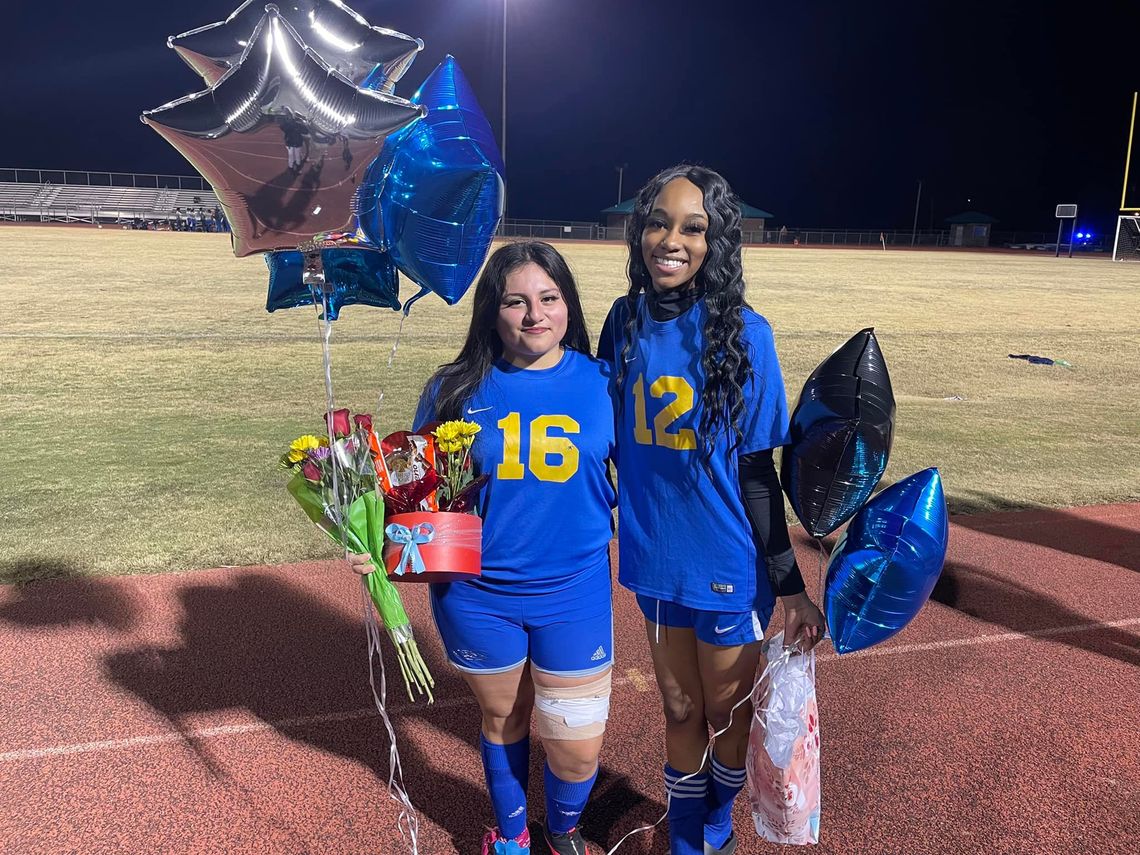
<point>60,201</point>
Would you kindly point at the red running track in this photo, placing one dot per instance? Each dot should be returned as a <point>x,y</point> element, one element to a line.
<point>228,711</point>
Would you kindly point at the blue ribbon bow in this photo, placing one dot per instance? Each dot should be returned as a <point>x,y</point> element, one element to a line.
<point>411,561</point>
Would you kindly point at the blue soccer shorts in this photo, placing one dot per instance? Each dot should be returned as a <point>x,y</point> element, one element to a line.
<point>489,629</point>
<point>722,629</point>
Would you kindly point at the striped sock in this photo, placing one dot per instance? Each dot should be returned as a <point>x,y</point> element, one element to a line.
<point>686,811</point>
<point>565,800</point>
<point>506,768</point>
<point>726,783</point>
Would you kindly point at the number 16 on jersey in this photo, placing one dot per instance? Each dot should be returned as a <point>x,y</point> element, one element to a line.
<point>551,458</point>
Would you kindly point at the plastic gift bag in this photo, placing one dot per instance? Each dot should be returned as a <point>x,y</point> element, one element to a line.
<point>783,748</point>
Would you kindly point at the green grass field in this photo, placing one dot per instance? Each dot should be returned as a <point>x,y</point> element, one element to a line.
<point>147,393</point>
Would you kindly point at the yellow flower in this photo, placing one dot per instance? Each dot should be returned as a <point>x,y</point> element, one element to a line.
<point>467,431</point>
<point>447,431</point>
<point>452,437</point>
<point>303,444</point>
<point>449,446</point>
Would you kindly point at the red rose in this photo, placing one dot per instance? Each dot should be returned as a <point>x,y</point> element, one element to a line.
<point>340,424</point>
<point>311,471</point>
<point>363,421</point>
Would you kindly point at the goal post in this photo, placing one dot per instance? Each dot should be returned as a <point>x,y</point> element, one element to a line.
<point>1126,246</point>
<point>1130,192</point>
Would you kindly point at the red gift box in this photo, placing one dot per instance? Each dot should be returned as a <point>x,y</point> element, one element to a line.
<point>433,546</point>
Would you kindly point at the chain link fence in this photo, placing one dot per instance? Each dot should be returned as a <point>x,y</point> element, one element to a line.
<point>50,202</point>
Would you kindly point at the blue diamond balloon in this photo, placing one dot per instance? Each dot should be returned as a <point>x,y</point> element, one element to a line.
<point>886,563</point>
<point>434,196</point>
<point>363,276</point>
<point>841,431</point>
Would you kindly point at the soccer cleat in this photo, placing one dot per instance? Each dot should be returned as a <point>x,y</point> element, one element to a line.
<point>728,848</point>
<point>570,843</point>
<point>493,844</point>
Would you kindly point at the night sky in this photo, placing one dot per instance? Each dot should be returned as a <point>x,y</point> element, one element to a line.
<point>827,114</point>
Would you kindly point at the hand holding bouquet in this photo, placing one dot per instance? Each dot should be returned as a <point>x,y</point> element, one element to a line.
<point>336,485</point>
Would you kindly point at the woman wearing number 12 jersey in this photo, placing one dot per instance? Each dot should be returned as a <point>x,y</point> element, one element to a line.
<point>703,542</point>
<point>535,630</point>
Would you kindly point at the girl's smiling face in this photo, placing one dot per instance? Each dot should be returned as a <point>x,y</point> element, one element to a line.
<point>532,318</point>
<point>673,242</point>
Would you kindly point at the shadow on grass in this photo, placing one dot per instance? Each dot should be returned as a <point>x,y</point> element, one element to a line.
<point>260,644</point>
<point>55,593</point>
<point>999,601</point>
<point>971,502</point>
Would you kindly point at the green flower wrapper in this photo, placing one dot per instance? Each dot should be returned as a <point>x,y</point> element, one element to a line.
<point>364,532</point>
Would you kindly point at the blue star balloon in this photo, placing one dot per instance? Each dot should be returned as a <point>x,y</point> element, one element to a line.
<point>886,563</point>
<point>363,276</point>
<point>841,431</point>
<point>434,196</point>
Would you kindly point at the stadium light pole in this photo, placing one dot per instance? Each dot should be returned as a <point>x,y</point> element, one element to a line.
<point>503,142</point>
<point>914,226</point>
<point>621,172</point>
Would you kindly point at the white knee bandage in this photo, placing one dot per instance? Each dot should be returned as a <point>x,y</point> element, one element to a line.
<point>577,712</point>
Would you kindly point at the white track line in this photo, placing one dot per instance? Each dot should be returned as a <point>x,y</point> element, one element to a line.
<point>982,639</point>
<point>464,700</point>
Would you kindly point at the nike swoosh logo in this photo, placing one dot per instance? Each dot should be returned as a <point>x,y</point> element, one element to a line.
<point>472,412</point>
<point>720,631</point>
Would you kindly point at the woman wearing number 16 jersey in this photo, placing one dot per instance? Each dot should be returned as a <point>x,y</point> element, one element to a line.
<point>535,630</point>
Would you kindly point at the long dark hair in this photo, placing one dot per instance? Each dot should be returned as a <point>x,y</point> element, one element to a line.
<point>724,360</point>
<point>456,381</point>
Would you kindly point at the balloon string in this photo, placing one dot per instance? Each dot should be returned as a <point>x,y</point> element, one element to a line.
<point>408,821</point>
<point>407,817</point>
<point>824,559</point>
<point>785,655</point>
<point>325,327</point>
<point>388,369</point>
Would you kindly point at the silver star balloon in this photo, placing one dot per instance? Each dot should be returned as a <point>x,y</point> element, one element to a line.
<point>282,138</point>
<point>343,38</point>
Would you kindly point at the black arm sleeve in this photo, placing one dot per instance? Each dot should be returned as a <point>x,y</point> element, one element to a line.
<point>764,503</point>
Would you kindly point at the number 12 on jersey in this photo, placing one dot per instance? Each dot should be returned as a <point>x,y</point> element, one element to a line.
<point>683,439</point>
<point>543,446</point>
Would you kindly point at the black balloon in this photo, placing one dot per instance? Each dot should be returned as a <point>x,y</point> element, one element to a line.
<point>346,42</point>
<point>841,434</point>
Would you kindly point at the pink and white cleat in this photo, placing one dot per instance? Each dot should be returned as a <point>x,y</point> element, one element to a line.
<point>494,844</point>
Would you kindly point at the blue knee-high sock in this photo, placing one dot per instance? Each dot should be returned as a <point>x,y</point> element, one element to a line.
<point>565,800</point>
<point>506,768</point>
<point>686,811</point>
<point>725,784</point>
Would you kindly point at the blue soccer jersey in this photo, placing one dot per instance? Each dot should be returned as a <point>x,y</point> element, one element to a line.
<point>683,533</point>
<point>545,438</point>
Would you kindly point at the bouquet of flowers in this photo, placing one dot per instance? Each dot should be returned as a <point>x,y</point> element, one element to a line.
<point>336,484</point>
<point>429,483</point>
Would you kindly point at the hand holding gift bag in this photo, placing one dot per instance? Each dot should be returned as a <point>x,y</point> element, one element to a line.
<point>783,748</point>
<point>345,502</point>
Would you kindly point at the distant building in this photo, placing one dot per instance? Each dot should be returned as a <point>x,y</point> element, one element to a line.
<point>752,219</point>
<point>970,228</point>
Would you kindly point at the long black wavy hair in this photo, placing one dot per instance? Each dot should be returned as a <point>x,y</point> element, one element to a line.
<point>725,361</point>
<point>456,381</point>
